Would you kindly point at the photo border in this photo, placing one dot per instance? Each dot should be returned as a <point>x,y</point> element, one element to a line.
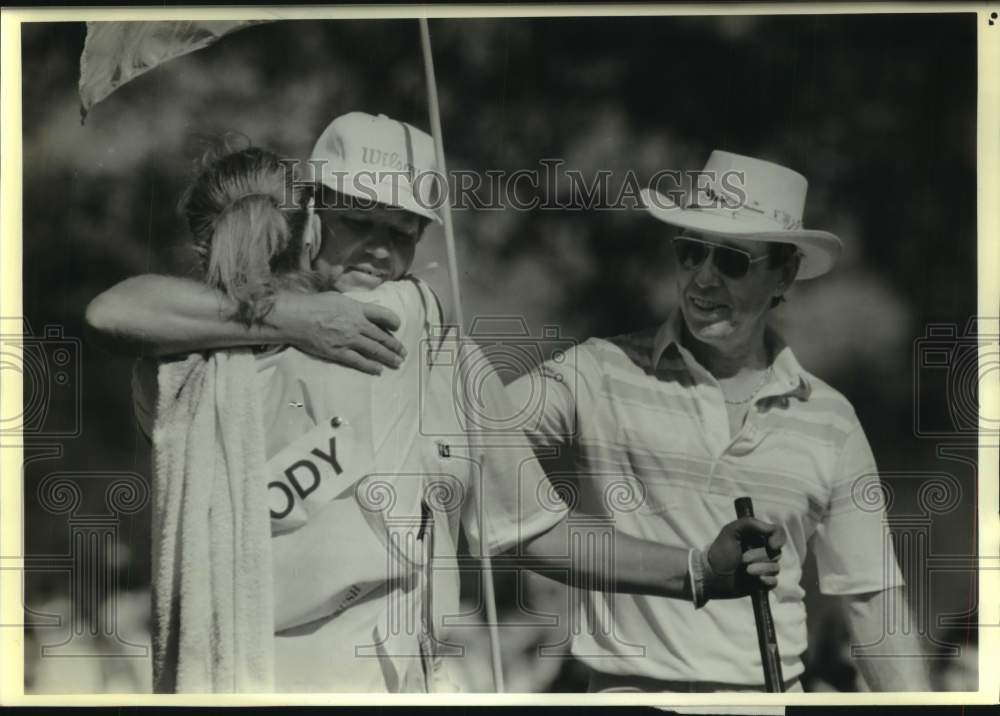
<point>988,259</point>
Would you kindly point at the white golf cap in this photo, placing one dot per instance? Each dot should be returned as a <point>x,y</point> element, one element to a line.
<point>378,159</point>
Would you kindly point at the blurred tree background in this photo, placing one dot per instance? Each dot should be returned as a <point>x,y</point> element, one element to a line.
<point>878,111</point>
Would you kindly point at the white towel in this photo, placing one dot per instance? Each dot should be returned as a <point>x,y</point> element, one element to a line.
<point>213,601</point>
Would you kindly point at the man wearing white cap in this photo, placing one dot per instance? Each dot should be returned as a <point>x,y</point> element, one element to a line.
<point>712,405</point>
<point>331,632</point>
<point>161,315</point>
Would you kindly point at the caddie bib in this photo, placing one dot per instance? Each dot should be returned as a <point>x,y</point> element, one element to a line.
<point>321,466</point>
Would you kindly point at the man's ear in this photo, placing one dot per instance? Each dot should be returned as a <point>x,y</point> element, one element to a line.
<point>790,270</point>
<point>788,273</point>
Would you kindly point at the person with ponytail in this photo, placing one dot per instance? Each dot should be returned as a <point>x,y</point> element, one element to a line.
<point>336,439</point>
<point>248,238</point>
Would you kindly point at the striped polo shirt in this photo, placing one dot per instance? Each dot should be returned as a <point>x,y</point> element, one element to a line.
<point>642,417</point>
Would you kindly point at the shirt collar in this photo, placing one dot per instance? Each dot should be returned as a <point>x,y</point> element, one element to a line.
<point>788,375</point>
<point>669,332</point>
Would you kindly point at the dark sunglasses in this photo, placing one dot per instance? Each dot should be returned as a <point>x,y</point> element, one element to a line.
<point>731,263</point>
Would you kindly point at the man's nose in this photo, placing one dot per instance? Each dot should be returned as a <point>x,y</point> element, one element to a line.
<point>379,244</point>
<point>378,249</point>
<point>707,274</point>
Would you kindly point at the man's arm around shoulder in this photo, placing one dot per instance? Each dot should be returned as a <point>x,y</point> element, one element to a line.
<point>156,316</point>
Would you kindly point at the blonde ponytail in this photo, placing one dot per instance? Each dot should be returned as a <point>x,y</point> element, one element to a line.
<point>247,218</point>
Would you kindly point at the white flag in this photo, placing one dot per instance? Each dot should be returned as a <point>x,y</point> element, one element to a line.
<point>117,52</point>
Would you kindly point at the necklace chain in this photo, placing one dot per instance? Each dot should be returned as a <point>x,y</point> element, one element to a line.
<point>764,378</point>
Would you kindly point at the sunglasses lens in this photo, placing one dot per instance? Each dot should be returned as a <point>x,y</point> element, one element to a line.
<point>690,254</point>
<point>731,263</point>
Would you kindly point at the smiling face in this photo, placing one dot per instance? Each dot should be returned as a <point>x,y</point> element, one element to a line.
<point>725,313</point>
<point>364,247</point>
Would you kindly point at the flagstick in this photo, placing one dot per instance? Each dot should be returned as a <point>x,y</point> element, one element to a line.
<point>449,239</point>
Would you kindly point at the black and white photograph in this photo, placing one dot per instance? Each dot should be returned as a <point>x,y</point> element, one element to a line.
<point>566,351</point>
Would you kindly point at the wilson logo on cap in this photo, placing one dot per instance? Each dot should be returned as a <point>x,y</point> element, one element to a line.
<point>386,160</point>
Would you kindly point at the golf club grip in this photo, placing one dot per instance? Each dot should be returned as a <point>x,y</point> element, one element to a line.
<point>767,639</point>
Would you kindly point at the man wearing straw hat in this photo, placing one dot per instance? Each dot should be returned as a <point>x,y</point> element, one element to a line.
<point>372,213</point>
<point>712,405</point>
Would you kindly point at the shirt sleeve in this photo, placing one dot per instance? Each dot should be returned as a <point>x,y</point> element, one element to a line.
<point>515,501</point>
<point>144,394</point>
<point>406,299</point>
<point>547,397</point>
<point>853,545</point>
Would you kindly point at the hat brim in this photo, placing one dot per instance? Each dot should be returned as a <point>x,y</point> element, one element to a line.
<point>820,249</point>
<point>384,195</point>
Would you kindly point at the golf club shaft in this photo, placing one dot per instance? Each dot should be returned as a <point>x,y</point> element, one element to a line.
<point>767,639</point>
